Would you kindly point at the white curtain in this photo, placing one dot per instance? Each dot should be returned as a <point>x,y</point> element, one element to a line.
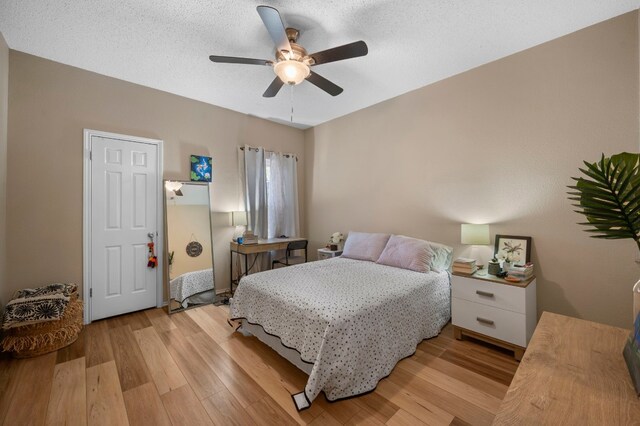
<point>242,182</point>
<point>282,190</point>
<point>270,186</point>
<point>256,191</point>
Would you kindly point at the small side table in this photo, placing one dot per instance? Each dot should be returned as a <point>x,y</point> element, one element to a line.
<point>494,310</point>
<point>325,253</point>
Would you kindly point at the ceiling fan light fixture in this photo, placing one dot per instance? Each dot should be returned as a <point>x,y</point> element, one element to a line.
<point>292,62</point>
<point>291,71</point>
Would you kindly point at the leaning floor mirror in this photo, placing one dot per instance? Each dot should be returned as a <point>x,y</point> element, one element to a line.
<point>189,253</point>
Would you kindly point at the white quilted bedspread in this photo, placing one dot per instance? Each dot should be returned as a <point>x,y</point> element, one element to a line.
<point>190,284</point>
<point>353,320</point>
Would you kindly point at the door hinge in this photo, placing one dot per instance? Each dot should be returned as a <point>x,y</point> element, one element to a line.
<point>90,156</point>
<point>90,292</point>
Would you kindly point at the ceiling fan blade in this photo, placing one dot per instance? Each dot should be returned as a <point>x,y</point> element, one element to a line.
<point>234,60</point>
<point>273,22</point>
<point>351,50</point>
<point>324,84</point>
<point>273,88</point>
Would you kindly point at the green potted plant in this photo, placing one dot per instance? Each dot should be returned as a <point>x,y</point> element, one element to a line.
<point>609,197</point>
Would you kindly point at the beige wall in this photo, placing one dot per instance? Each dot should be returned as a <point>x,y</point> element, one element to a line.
<point>49,106</point>
<point>497,144</point>
<point>4,96</point>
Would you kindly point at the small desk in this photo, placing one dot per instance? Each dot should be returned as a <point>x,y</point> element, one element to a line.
<point>263,246</point>
<point>573,373</point>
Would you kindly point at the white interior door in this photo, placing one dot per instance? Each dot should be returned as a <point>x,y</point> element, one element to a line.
<point>124,211</point>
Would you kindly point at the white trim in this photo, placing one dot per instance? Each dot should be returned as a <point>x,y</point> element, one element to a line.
<point>86,214</point>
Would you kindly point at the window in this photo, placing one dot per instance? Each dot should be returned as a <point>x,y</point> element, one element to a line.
<point>271,191</point>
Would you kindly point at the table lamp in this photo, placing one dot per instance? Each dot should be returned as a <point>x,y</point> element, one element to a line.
<point>477,235</point>
<point>238,219</point>
<point>472,234</point>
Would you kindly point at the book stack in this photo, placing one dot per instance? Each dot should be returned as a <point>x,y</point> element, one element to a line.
<point>521,271</point>
<point>462,265</point>
<point>249,238</point>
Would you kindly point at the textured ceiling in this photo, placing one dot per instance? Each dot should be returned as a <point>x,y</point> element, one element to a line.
<point>165,44</point>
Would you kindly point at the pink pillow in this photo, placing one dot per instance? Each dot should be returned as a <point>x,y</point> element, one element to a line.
<point>364,246</point>
<point>407,253</point>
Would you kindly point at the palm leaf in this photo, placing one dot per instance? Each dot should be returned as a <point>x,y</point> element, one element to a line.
<point>594,200</point>
<point>622,179</point>
<point>599,214</point>
<point>598,178</point>
<point>634,184</point>
<point>600,205</point>
<point>608,195</point>
<point>593,183</point>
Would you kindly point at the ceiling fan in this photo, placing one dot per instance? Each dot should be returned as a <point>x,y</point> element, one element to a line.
<point>292,64</point>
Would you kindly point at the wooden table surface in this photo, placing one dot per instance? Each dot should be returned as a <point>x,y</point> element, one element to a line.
<point>482,275</point>
<point>572,373</point>
<point>263,245</point>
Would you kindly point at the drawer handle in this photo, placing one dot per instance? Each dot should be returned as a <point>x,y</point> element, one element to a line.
<point>484,293</point>
<point>484,321</point>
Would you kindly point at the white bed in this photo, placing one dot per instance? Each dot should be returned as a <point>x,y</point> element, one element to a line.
<point>348,321</point>
<point>193,288</point>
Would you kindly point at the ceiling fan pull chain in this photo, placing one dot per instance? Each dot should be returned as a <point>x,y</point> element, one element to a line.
<point>291,86</point>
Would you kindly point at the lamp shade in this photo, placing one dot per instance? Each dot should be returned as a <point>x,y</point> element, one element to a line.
<point>239,218</point>
<point>474,234</point>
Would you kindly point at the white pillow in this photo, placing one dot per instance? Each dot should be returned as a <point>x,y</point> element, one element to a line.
<point>364,246</point>
<point>442,257</point>
<point>407,253</point>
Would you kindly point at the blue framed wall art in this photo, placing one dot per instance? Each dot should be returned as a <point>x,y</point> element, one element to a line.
<point>201,168</point>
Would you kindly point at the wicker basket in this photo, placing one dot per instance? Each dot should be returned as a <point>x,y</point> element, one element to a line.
<point>38,339</point>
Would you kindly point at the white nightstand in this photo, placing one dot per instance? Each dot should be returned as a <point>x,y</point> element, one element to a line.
<point>496,311</point>
<point>325,253</point>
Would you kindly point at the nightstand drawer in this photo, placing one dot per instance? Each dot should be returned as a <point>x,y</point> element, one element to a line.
<point>323,255</point>
<point>494,322</point>
<point>501,296</point>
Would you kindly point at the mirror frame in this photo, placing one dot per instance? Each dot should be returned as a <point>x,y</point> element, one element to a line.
<point>167,278</point>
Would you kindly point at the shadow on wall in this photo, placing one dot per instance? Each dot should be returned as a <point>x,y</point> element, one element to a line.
<point>220,219</point>
<point>553,297</point>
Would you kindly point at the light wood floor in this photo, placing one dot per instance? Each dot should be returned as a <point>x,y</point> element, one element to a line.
<point>191,368</point>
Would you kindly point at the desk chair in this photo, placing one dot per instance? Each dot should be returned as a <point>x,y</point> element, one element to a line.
<point>288,258</point>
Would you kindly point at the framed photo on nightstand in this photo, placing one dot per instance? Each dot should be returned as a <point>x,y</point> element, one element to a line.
<point>513,248</point>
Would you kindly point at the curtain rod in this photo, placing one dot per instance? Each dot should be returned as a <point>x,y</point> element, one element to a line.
<point>256,149</point>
